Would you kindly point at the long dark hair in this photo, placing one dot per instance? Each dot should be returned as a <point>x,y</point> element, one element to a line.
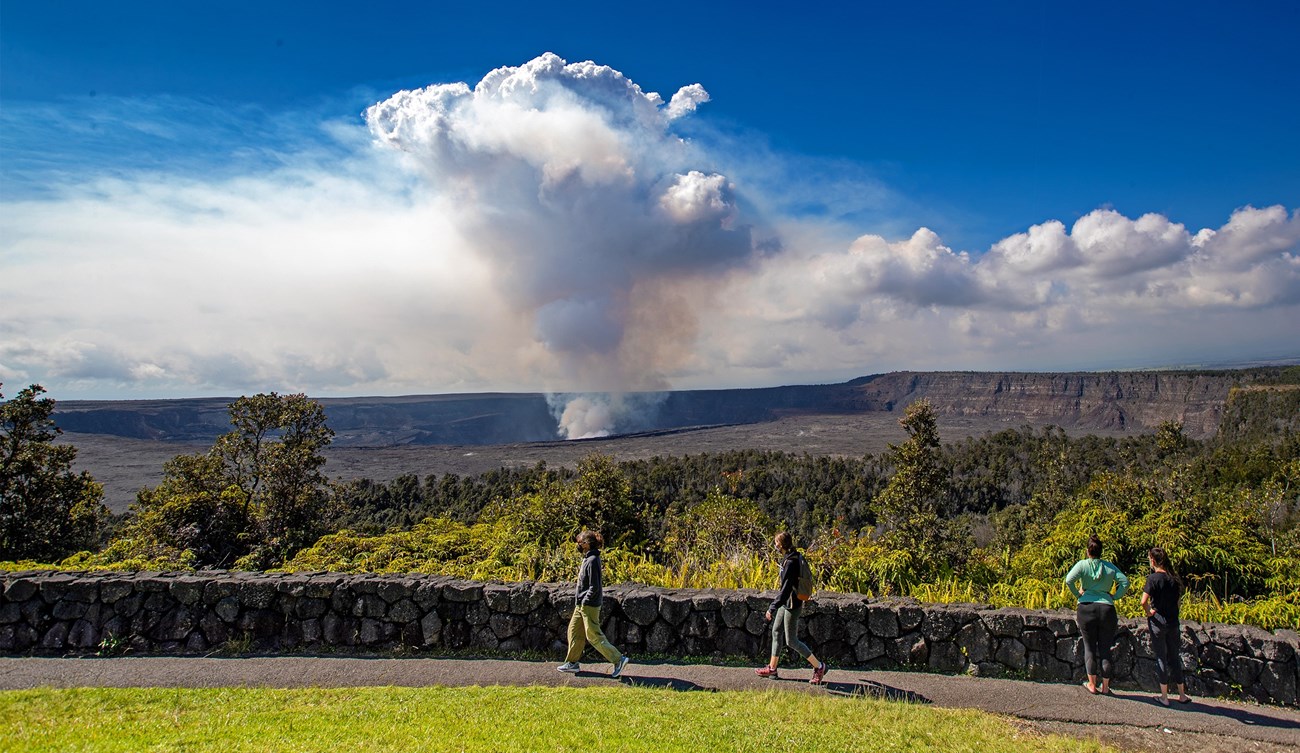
<point>785,542</point>
<point>1094,547</point>
<point>1161,558</point>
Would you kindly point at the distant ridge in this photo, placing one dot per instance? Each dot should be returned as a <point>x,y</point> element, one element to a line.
<point>1113,400</point>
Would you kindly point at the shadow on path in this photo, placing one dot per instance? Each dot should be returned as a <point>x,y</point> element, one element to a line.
<point>872,689</point>
<point>863,688</point>
<point>1235,713</point>
<point>1245,716</point>
<point>666,683</point>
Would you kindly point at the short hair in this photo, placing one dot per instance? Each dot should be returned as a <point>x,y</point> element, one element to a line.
<point>1094,546</point>
<point>592,539</point>
<point>784,541</point>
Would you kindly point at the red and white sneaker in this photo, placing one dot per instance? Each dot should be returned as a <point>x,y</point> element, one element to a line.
<point>768,672</point>
<point>818,674</point>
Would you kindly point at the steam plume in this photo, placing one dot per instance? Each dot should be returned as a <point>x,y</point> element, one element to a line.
<point>567,178</point>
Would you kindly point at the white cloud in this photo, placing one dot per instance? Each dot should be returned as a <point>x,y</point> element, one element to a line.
<point>686,100</point>
<point>546,229</point>
<point>1044,299</point>
<point>1044,248</point>
<point>567,178</point>
<point>697,197</point>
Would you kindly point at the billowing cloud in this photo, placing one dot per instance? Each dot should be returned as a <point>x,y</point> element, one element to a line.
<point>567,178</point>
<point>547,228</point>
<point>1105,260</point>
<point>1048,298</point>
<point>686,100</point>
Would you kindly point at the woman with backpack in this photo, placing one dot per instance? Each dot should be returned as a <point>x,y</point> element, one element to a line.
<point>1160,604</point>
<point>784,613</point>
<point>1097,584</point>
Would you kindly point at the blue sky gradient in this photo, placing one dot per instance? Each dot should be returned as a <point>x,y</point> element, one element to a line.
<point>1002,113</point>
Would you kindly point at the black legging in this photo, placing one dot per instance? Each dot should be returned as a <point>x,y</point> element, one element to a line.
<point>1166,640</point>
<point>1098,623</point>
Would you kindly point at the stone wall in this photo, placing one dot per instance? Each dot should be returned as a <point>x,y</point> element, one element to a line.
<point>149,613</point>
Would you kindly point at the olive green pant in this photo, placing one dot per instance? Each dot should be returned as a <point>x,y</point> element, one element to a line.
<point>584,628</point>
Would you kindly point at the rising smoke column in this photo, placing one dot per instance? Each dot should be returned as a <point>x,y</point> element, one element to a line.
<point>597,220</point>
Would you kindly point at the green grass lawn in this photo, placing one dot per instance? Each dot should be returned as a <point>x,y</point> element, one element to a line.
<point>343,720</point>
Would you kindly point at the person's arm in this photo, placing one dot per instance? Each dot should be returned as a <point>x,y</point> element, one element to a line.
<point>787,585</point>
<point>1148,604</point>
<point>1072,579</point>
<point>1121,583</point>
<point>584,581</point>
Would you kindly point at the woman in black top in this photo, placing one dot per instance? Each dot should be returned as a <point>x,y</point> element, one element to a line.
<point>785,608</point>
<point>1160,603</point>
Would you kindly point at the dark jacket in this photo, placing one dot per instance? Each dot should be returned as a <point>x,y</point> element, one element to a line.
<point>789,584</point>
<point>589,591</point>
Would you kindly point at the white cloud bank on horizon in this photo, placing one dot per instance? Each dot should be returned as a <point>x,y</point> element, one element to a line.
<point>546,230</point>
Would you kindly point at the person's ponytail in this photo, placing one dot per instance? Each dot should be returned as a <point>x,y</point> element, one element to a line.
<point>1161,559</point>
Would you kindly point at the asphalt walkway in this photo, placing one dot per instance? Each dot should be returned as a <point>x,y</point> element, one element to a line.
<point>1205,724</point>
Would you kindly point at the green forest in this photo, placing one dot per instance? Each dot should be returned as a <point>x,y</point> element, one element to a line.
<point>996,519</point>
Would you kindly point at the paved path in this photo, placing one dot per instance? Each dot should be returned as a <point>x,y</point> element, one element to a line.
<point>1070,708</point>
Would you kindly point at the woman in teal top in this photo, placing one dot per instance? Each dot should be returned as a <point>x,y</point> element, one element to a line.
<point>1096,583</point>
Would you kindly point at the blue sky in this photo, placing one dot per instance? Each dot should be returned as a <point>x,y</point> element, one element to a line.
<point>840,133</point>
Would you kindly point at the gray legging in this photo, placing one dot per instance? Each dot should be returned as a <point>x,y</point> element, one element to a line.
<point>785,628</point>
<point>1098,623</point>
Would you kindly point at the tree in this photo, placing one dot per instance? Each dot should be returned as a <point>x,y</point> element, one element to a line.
<point>253,500</point>
<point>597,498</point>
<point>275,458</point>
<point>194,517</point>
<point>911,503</point>
<point>46,510</point>
<point>722,528</point>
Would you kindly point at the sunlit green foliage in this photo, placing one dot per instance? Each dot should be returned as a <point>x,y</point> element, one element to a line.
<point>258,496</point>
<point>1232,534</point>
<point>597,499</point>
<point>483,550</point>
<point>996,519</point>
<point>47,511</point>
<point>722,528</point>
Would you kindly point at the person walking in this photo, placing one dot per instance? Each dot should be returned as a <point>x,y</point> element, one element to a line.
<point>1160,598</point>
<point>784,611</point>
<point>1097,584</point>
<point>584,625</point>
